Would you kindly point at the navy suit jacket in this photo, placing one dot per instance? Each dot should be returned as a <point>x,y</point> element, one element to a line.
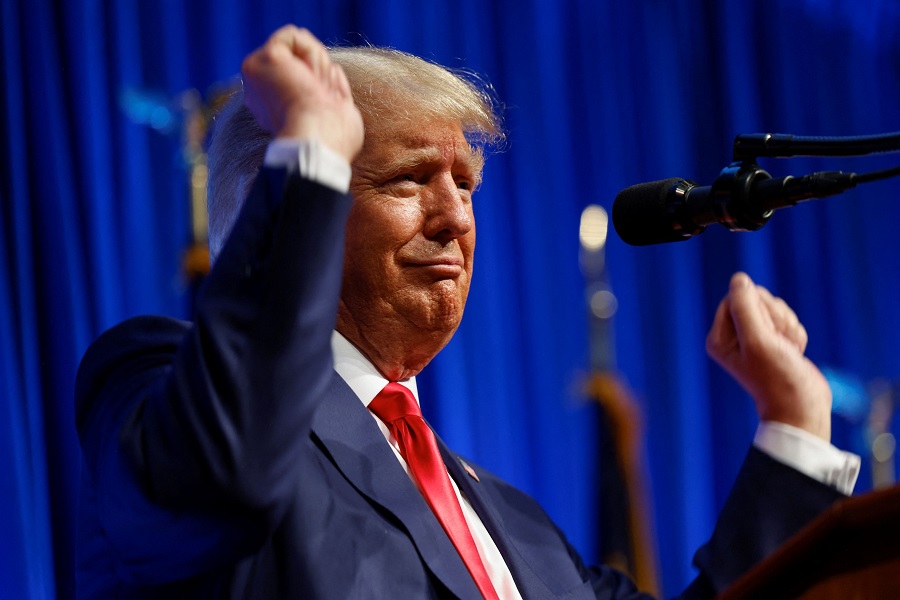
<point>226,459</point>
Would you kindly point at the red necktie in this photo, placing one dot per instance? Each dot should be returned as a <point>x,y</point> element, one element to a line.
<point>398,409</point>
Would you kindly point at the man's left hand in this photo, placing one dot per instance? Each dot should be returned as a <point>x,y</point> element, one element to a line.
<point>758,339</point>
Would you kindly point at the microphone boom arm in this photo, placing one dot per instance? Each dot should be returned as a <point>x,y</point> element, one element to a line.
<point>750,146</point>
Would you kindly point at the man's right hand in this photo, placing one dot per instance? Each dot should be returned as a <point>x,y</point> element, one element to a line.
<point>295,91</point>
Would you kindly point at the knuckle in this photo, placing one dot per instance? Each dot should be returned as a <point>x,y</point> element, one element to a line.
<point>270,52</point>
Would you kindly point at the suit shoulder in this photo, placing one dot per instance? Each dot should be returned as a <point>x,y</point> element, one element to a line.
<point>135,344</point>
<point>150,333</point>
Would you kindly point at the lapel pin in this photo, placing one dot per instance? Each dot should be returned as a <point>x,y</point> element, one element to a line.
<point>469,469</point>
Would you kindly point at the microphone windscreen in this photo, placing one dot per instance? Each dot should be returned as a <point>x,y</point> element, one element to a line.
<point>643,214</point>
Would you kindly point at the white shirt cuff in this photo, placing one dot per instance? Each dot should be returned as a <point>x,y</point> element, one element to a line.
<point>808,454</point>
<point>312,159</point>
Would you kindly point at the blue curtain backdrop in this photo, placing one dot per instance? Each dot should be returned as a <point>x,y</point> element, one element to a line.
<point>599,95</point>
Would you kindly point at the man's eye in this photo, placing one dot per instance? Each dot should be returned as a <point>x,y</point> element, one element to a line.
<point>464,185</point>
<point>401,179</point>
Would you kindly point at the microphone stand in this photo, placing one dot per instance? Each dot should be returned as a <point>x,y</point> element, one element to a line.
<point>736,189</point>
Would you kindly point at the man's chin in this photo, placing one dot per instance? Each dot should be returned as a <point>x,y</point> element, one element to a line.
<point>437,309</point>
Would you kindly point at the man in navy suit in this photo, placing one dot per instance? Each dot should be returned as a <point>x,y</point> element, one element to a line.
<point>235,457</point>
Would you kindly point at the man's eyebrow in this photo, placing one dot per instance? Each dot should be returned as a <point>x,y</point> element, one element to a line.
<point>475,159</point>
<point>410,159</point>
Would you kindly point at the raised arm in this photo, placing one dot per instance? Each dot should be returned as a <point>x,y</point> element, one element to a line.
<point>758,339</point>
<point>191,432</point>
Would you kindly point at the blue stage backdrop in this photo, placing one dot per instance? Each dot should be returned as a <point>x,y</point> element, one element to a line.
<point>598,95</point>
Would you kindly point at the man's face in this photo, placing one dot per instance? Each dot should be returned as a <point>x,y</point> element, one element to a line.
<point>411,231</point>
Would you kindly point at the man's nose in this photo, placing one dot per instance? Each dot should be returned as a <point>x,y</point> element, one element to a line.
<point>448,210</point>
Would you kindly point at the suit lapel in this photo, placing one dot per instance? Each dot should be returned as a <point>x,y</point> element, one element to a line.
<point>530,585</point>
<point>360,452</point>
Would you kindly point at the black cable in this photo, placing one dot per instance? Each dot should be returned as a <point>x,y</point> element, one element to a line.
<point>877,175</point>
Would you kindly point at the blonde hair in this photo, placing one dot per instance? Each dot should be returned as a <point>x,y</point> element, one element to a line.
<point>386,84</point>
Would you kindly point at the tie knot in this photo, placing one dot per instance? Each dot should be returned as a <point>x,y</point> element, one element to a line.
<point>394,402</point>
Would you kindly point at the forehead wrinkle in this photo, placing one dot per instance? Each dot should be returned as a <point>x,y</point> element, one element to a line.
<point>429,153</point>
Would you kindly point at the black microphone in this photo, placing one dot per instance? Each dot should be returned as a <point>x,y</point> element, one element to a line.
<point>742,198</point>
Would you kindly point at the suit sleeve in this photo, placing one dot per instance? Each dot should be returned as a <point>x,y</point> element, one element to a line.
<point>769,503</point>
<point>189,431</point>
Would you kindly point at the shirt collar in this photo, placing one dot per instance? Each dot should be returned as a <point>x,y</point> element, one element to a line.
<point>360,374</point>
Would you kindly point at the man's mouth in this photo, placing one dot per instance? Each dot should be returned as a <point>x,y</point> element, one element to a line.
<point>444,266</point>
